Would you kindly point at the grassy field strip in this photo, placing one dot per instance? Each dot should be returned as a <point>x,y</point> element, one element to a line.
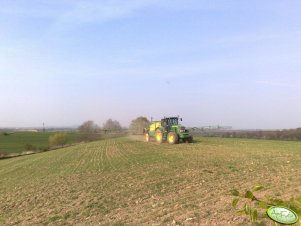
<point>98,160</point>
<point>124,181</point>
<point>78,155</point>
<point>158,185</point>
<point>15,142</point>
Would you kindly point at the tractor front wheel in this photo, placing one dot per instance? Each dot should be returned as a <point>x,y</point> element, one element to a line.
<point>172,138</point>
<point>159,136</point>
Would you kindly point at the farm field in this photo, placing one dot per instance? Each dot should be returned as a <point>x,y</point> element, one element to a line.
<point>128,182</point>
<point>15,142</point>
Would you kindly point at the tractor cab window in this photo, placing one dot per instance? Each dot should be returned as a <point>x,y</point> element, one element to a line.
<point>172,121</point>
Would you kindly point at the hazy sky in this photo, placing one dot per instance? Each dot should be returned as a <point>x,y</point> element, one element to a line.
<point>235,63</point>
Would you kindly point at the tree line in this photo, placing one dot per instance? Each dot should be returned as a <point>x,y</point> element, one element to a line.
<point>87,131</point>
<point>90,131</point>
<point>287,134</point>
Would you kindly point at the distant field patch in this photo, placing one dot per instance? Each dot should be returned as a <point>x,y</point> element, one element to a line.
<point>18,142</point>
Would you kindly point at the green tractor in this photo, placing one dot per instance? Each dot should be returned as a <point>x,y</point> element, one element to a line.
<point>167,129</point>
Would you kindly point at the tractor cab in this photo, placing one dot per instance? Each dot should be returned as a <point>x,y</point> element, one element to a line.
<point>170,122</point>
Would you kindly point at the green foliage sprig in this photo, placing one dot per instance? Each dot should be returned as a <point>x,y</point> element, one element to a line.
<point>251,205</point>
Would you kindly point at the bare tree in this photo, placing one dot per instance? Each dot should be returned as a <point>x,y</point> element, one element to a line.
<point>89,131</point>
<point>111,125</point>
<point>88,127</point>
<point>138,125</point>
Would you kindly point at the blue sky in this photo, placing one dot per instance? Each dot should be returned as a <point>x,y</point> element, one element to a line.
<point>234,63</point>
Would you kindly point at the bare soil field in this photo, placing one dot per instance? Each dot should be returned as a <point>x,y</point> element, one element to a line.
<point>126,181</point>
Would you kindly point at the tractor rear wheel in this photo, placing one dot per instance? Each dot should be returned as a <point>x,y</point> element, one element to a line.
<point>159,136</point>
<point>190,139</point>
<point>147,139</point>
<point>172,138</point>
